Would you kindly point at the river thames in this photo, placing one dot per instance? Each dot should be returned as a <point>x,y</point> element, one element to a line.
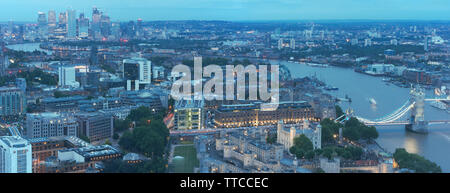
<point>434,146</point>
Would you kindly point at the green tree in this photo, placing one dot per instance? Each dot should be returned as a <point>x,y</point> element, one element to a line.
<point>59,94</point>
<point>301,146</point>
<point>85,138</point>
<point>115,136</point>
<point>271,138</point>
<point>339,111</point>
<point>415,162</point>
<point>328,152</point>
<point>329,128</point>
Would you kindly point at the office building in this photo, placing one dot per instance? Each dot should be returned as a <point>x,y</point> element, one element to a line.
<point>15,155</point>
<point>367,42</point>
<point>62,104</point>
<point>12,101</point>
<point>96,126</point>
<point>137,73</point>
<point>50,124</point>
<point>44,148</point>
<point>42,25</point>
<point>66,77</point>
<point>426,43</point>
<point>188,114</point>
<point>71,24</point>
<point>21,83</point>
<point>83,27</point>
<point>292,43</point>
<point>247,115</point>
<point>280,43</point>
<point>51,22</point>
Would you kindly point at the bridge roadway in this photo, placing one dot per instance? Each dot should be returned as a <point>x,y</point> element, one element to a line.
<point>435,122</point>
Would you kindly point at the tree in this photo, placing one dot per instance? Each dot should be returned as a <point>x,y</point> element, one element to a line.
<point>85,138</point>
<point>271,138</point>
<point>115,136</point>
<point>329,128</point>
<point>351,133</point>
<point>149,140</point>
<point>369,133</point>
<point>310,155</point>
<point>127,141</point>
<point>59,94</point>
<point>301,145</point>
<point>355,130</point>
<point>121,125</point>
<point>339,111</point>
<point>328,152</point>
<point>415,162</point>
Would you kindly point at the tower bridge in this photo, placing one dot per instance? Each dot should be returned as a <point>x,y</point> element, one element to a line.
<point>416,121</point>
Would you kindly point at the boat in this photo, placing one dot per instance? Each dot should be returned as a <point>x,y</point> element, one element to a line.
<point>331,88</point>
<point>346,99</point>
<point>317,65</point>
<point>372,101</point>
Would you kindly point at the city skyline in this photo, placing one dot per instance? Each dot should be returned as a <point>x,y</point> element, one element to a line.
<point>236,10</point>
<point>215,86</point>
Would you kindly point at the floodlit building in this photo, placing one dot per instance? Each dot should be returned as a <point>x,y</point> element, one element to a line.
<point>246,115</point>
<point>287,133</point>
<point>189,114</point>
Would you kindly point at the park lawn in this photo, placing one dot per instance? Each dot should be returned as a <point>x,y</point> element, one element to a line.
<point>186,142</point>
<point>190,159</point>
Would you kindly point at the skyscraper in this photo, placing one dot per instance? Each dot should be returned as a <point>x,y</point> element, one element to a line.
<point>95,27</point>
<point>292,43</point>
<point>12,101</point>
<point>71,23</point>
<point>136,71</point>
<point>83,26</point>
<point>42,19</point>
<point>51,17</point>
<point>51,21</point>
<point>42,25</point>
<point>139,30</point>
<point>105,25</point>
<point>62,19</point>
<point>425,43</point>
<point>22,84</point>
<point>280,43</point>
<point>15,155</point>
<point>66,77</point>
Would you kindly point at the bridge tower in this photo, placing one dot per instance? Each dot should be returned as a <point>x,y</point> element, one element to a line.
<point>417,121</point>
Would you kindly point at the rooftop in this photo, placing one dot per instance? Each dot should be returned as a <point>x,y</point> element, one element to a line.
<point>94,151</point>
